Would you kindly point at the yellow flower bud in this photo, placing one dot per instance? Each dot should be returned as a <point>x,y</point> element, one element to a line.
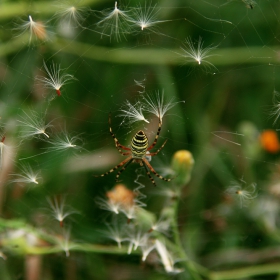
<point>182,164</point>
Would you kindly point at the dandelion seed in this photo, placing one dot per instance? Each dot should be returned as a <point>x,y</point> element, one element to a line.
<point>108,205</point>
<point>197,53</point>
<point>166,258</point>
<point>137,239</point>
<point>55,80</point>
<point>133,113</point>
<point>276,106</point>
<point>70,13</point>
<point>116,234</point>
<point>162,225</point>
<point>156,104</point>
<point>33,125</point>
<point>145,17</point>
<point>59,212</point>
<point>64,142</point>
<point>147,248</point>
<point>60,143</point>
<point>141,84</point>
<point>26,175</point>
<point>116,21</point>
<point>35,28</point>
<point>242,194</point>
<point>64,242</point>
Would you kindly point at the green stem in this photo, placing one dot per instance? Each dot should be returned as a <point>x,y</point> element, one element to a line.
<point>190,267</point>
<point>147,56</point>
<point>152,56</point>
<point>248,272</point>
<point>45,8</point>
<point>20,245</point>
<point>23,248</point>
<point>83,247</point>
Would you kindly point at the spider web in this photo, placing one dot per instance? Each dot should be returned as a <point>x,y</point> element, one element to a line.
<point>228,99</point>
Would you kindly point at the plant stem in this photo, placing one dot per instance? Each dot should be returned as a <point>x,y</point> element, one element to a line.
<point>14,9</point>
<point>51,243</point>
<point>146,56</point>
<point>241,273</point>
<point>83,247</point>
<point>152,56</point>
<point>194,269</point>
<point>179,246</point>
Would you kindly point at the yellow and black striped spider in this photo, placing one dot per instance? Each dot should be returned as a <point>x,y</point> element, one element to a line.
<point>138,153</point>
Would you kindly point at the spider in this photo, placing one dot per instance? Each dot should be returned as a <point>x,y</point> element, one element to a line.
<point>138,153</point>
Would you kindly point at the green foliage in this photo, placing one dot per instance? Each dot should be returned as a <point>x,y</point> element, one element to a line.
<point>207,72</point>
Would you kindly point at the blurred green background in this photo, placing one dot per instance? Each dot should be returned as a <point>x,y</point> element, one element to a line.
<point>226,109</point>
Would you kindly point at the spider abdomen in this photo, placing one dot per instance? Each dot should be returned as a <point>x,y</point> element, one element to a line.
<point>139,145</point>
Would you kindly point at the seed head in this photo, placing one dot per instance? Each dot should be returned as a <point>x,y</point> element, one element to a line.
<point>64,242</point>
<point>33,125</point>
<point>276,107</point>
<point>70,12</point>
<point>198,54</point>
<point>137,238</point>
<point>243,194</point>
<point>116,22</point>
<point>55,79</point>
<point>157,105</point>
<point>26,175</point>
<point>59,209</point>
<point>133,113</point>
<point>35,28</point>
<point>63,142</point>
<point>161,225</point>
<point>166,258</point>
<point>145,17</point>
<point>116,233</point>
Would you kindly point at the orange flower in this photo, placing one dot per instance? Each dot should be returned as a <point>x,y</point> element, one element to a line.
<point>269,141</point>
<point>121,195</point>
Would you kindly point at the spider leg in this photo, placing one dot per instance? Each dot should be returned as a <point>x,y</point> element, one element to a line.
<point>115,168</point>
<point>117,143</point>
<point>128,161</point>
<point>155,153</point>
<point>157,135</point>
<point>152,169</point>
<point>149,175</point>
